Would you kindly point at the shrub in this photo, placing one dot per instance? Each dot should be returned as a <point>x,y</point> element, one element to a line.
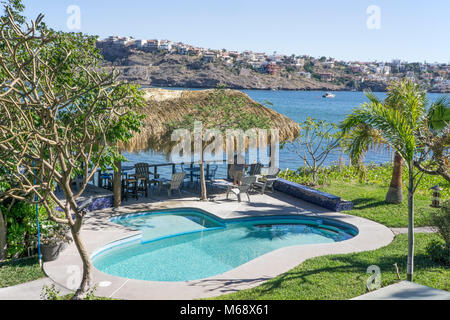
<point>21,228</point>
<point>440,221</point>
<point>439,251</point>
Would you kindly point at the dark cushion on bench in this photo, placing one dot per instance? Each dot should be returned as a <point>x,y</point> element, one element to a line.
<point>308,194</point>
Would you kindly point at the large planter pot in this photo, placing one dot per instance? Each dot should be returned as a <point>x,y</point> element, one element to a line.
<point>50,252</point>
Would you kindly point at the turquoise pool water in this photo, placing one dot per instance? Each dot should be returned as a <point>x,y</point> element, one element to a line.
<point>188,244</point>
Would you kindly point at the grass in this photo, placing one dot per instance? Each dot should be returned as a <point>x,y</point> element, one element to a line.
<point>369,203</point>
<point>368,196</point>
<point>337,277</point>
<point>14,273</point>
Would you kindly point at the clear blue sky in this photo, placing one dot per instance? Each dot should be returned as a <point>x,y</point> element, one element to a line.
<point>410,30</point>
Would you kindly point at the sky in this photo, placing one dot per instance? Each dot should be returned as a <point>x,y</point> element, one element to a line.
<point>351,30</point>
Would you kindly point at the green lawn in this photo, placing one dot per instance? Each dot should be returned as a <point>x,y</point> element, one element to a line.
<point>344,276</point>
<point>369,203</point>
<point>19,272</point>
<point>368,196</point>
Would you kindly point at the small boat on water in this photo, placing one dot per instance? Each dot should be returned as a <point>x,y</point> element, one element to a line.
<point>328,95</point>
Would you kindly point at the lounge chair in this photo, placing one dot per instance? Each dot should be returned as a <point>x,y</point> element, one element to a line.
<point>255,169</point>
<point>210,176</point>
<point>173,184</point>
<point>246,184</point>
<point>264,182</point>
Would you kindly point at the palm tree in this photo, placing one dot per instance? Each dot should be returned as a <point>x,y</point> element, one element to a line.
<point>363,137</point>
<point>397,127</point>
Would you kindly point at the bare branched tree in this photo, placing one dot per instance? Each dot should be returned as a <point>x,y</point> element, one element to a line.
<point>61,117</point>
<point>318,138</point>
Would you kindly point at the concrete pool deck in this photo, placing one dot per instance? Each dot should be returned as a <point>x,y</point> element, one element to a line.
<point>406,290</point>
<point>98,231</point>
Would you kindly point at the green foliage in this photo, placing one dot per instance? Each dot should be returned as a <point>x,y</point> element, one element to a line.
<point>439,251</point>
<point>21,228</point>
<point>440,220</point>
<point>439,114</point>
<point>52,293</point>
<point>375,175</point>
<point>309,67</point>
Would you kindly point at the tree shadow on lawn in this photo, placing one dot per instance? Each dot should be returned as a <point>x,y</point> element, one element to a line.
<point>19,263</point>
<point>364,203</point>
<point>354,264</point>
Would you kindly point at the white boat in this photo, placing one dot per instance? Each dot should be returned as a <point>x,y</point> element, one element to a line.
<point>328,95</point>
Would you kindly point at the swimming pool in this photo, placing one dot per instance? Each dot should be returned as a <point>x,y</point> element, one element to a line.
<point>190,244</point>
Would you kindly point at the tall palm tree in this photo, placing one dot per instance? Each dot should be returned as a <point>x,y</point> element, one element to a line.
<point>364,137</point>
<point>397,127</point>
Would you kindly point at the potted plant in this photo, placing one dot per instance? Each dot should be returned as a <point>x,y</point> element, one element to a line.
<point>54,239</point>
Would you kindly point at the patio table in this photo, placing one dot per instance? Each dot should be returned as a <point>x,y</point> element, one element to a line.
<point>160,182</point>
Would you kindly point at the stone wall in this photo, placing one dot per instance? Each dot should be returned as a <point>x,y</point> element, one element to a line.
<point>317,197</point>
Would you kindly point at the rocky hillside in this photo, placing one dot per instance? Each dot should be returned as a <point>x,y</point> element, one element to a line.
<point>172,70</point>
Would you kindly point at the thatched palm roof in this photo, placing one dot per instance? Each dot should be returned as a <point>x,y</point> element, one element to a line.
<point>165,106</point>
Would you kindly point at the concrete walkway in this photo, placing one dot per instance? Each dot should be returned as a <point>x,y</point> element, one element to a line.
<point>406,290</point>
<point>397,231</point>
<point>98,231</point>
<point>29,290</point>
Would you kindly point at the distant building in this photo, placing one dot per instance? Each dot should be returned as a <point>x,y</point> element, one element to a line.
<point>152,45</point>
<point>272,69</point>
<point>328,64</point>
<point>326,76</point>
<point>306,75</point>
<point>140,43</point>
<point>165,45</point>
<point>209,57</point>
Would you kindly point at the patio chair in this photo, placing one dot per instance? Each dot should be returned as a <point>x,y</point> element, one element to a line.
<point>255,169</point>
<point>246,184</point>
<point>174,183</point>
<point>106,180</point>
<point>142,176</point>
<point>268,180</point>
<point>211,175</point>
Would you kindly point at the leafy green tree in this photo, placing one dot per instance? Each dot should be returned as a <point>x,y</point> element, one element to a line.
<point>62,117</point>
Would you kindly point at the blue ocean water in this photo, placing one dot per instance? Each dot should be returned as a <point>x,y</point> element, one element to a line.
<point>297,105</point>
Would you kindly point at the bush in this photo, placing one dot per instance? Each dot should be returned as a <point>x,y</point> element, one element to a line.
<point>440,221</point>
<point>439,252</point>
<point>21,229</point>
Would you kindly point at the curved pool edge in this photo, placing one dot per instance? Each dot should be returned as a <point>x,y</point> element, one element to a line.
<point>371,236</point>
<point>318,221</point>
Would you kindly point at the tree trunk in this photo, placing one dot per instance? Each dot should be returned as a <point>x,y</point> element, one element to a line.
<point>204,195</point>
<point>87,265</point>
<point>117,184</point>
<point>3,236</point>
<point>410,263</point>
<point>395,194</point>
